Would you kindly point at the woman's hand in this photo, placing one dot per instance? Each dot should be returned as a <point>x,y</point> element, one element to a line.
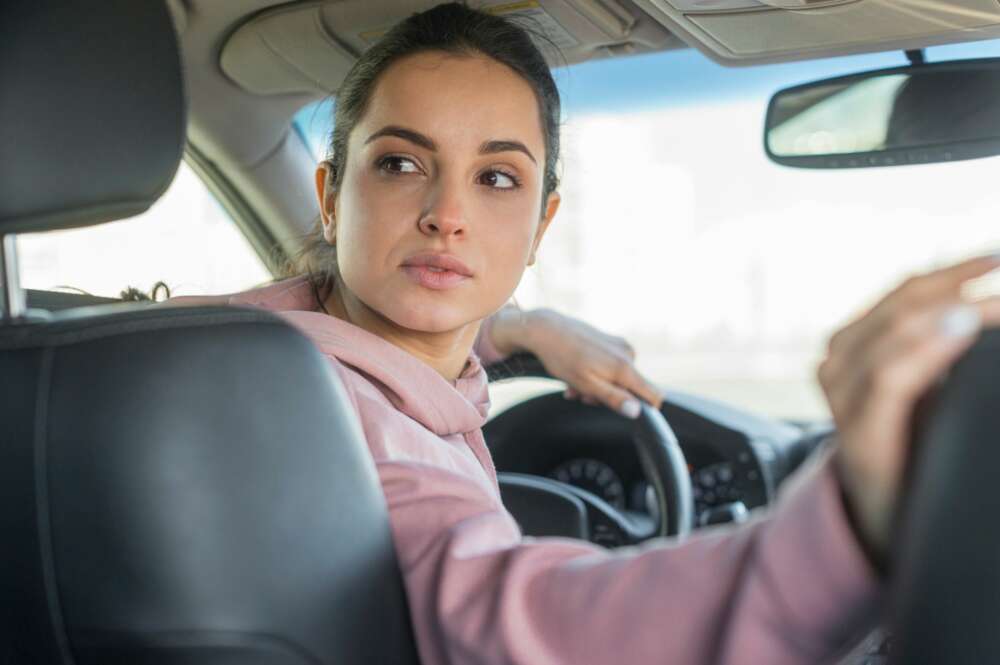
<point>599,368</point>
<point>879,366</point>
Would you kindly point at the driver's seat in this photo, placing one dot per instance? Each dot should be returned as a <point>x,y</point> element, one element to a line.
<point>177,485</point>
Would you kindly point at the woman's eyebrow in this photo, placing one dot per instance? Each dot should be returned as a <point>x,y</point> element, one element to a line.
<point>490,147</point>
<point>415,137</point>
<point>405,134</point>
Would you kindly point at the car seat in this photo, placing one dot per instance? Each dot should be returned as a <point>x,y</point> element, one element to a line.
<point>177,485</point>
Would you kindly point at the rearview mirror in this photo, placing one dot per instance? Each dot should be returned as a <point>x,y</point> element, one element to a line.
<point>892,117</point>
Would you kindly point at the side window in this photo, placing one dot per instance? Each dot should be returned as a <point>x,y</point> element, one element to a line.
<point>186,239</point>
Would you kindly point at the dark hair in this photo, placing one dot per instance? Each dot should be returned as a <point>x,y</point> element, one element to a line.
<point>455,29</point>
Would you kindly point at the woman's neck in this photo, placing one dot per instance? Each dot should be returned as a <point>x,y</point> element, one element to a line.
<point>447,352</point>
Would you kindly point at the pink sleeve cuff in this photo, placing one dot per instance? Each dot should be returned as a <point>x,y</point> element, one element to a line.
<point>484,346</point>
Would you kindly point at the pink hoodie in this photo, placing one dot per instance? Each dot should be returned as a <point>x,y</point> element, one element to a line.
<point>790,587</point>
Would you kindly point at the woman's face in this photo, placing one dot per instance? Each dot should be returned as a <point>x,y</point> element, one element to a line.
<point>448,159</point>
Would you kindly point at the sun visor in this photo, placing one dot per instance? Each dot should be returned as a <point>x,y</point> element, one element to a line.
<point>286,52</point>
<point>756,31</point>
<point>310,47</point>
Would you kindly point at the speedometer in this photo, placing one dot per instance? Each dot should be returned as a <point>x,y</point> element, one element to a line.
<point>595,477</point>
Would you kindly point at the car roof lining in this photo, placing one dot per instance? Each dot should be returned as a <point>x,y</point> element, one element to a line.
<point>768,34</point>
<point>309,47</point>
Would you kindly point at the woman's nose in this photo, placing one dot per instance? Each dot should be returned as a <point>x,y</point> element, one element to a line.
<point>445,215</point>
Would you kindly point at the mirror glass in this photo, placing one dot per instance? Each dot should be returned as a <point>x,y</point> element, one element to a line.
<point>919,114</point>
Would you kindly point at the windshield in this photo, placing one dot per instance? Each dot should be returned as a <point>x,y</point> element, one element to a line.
<point>728,273</point>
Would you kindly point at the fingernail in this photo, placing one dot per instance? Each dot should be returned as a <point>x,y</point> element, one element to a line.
<point>960,321</point>
<point>630,408</point>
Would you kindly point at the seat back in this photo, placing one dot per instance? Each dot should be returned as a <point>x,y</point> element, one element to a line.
<point>188,485</point>
<point>177,485</point>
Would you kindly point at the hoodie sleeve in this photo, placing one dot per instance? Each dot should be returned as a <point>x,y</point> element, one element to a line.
<point>484,346</point>
<point>790,587</point>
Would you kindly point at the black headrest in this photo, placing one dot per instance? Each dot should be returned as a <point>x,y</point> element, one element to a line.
<point>92,120</point>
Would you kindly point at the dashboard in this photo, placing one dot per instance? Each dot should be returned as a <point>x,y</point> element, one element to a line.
<point>736,459</point>
<point>620,484</point>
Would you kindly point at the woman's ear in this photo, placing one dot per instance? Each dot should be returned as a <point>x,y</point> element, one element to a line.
<point>551,206</point>
<point>327,195</point>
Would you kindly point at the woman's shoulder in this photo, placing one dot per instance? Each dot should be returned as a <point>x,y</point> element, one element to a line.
<point>293,293</point>
<point>384,382</point>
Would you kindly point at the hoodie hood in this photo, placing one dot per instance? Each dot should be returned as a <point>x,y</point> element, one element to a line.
<point>411,385</point>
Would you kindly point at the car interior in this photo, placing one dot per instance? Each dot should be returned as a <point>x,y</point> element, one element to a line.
<point>147,518</point>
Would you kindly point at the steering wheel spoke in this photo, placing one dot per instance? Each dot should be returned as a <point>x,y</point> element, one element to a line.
<point>609,526</point>
<point>661,459</point>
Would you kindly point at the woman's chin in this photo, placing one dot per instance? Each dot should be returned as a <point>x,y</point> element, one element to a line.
<point>436,318</point>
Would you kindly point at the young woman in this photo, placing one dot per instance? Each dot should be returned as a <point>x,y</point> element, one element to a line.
<point>439,189</point>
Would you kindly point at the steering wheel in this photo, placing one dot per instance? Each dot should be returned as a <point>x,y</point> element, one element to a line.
<point>944,579</point>
<point>659,453</point>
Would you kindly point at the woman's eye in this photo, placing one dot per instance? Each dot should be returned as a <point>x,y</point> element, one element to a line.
<point>499,180</point>
<point>395,164</point>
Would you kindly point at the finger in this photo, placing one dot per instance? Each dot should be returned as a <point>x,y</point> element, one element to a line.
<point>572,392</point>
<point>912,332</point>
<point>851,391</point>
<point>631,380</point>
<point>940,285</point>
<point>936,286</point>
<point>894,388</point>
<point>616,399</point>
<point>908,330</point>
<point>626,347</point>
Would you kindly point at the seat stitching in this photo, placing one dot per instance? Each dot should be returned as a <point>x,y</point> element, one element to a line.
<point>42,506</point>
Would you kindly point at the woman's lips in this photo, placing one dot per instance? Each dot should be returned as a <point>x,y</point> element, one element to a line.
<point>434,278</point>
<point>436,270</point>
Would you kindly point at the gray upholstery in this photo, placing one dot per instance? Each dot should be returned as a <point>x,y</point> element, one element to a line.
<point>93,117</point>
<point>178,486</point>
